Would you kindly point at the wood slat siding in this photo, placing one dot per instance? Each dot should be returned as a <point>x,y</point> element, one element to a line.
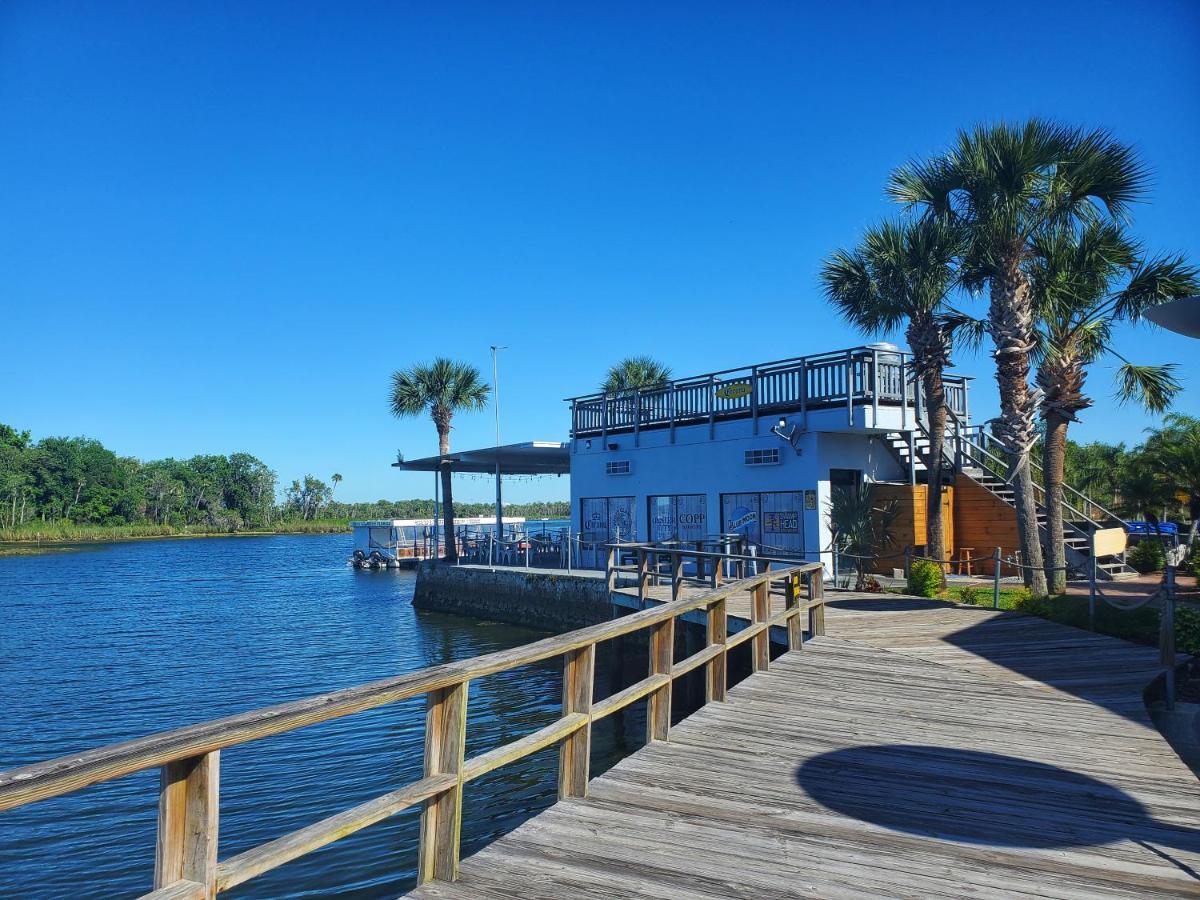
<point>911,526</point>
<point>997,748</point>
<point>983,521</point>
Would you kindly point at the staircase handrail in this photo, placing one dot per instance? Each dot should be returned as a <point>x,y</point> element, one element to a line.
<point>1037,469</point>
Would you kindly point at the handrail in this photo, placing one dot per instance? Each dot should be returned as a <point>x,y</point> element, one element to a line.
<point>186,861</point>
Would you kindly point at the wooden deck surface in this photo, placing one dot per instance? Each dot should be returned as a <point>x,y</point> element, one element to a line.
<point>918,750</point>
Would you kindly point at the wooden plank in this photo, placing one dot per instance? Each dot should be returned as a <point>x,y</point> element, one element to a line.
<point>716,632</point>
<point>696,660</point>
<point>658,709</point>
<point>560,728</point>
<point>441,815</point>
<point>575,751</point>
<point>760,611</point>
<point>188,805</point>
<point>180,890</point>
<point>265,857</point>
<point>795,628</point>
<point>622,698</point>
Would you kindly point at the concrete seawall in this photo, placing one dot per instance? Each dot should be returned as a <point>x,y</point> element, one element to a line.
<point>537,599</point>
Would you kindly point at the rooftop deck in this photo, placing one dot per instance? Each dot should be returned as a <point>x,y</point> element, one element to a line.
<point>917,750</point>
<point>845,378</point>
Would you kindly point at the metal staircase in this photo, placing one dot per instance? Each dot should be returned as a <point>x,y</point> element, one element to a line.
<point>974,452</point>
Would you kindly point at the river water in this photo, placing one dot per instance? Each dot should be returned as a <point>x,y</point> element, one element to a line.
<point>110,642</point>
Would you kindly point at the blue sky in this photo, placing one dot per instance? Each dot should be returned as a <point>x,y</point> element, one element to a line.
<point>226,224</point>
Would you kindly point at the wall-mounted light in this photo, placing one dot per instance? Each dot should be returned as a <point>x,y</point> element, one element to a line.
<point>587,445</point>
<point>613,446</point>
<point>789,434</point>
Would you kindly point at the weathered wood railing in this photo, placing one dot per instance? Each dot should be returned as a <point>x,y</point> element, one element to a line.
<point>186,859</point>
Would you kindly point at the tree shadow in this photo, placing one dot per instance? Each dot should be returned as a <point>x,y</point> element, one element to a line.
<point>883,603</point>
<point>987,799</point>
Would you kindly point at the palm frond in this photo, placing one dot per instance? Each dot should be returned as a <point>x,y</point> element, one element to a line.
<point>445,383</point>
<point>1152,387</point>
<point>635,373</point>
<point>1154,281</point>
<point>964,330</point>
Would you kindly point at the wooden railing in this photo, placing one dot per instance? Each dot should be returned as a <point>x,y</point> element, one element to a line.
<point>186,859</point>
<point>853,377</point>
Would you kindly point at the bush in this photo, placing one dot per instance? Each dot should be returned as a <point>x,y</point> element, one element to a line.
<point>974,596</point>
<point>1146,556</point>
<point>925,578</point>
<point>1187,630</point>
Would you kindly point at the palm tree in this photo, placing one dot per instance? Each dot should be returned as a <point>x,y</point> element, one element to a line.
<point>1174,453</point>
<point>635,373</point>
<point>1005,184</point>
<point>901,275</point>
<point>335,478</point>
<point>860,527</point>
<point>441,388</point>
<point>1083,282</point>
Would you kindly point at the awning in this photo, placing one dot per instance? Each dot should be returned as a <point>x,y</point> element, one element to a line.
<point>529,458</point>
<point>1181,316</point>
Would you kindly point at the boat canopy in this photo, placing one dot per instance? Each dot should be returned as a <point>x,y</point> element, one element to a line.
<point>529,458</point>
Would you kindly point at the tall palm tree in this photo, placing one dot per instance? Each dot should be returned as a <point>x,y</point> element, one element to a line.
<point>441,388</point>
<point>1083,282</point>
<point>336,478</point>
<point>634,373</point>
<point>901,275</point>
<point>1004,184</point>
<point>1174,453</point>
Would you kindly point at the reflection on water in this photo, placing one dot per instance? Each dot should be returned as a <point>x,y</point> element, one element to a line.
<point>120,640</point>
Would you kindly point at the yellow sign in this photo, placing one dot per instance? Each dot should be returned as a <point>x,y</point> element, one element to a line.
<point>733,391</point>
<point>1108,541</point>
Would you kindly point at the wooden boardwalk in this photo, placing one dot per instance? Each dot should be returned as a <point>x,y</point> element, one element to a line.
<point>918,750</point>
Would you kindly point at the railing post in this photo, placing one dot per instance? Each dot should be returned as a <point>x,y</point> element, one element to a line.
<point>643,575</point>
<point>716,632</point>
<point>637,418</point>
<point>795,628</point>
<point>816,595</point>
<point>574,752</point>
<point>441,816</point>
<point>676,557</point>
<point>188,803</point>
<point>760,611</point>
<point>754,397</point>
<point>662,657</point>
<point>611,569</point>
<point>874,388</point>
<point>850,386</point>
<point>996,578</point>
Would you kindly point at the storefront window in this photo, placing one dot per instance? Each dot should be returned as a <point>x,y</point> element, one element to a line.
<point>773,521</point>
<point>678,517</point>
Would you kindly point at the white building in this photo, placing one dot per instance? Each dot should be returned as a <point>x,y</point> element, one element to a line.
<point>752,451</point>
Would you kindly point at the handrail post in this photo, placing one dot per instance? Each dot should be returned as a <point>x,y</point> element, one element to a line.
<point>441,815</point>
<point>754,397</point>
<point>795,629</point>
<point>188,803</point>
<point>716,632</point>
<point>996,578</point>
<point>874,388</point>
<point>574,752</point>
<point>662,657</point>
<point>850,387</point>
<point>643,575</point>
<point>760,611</point>
<point>816,596</point>
<point>676,557</point>
<point>637,418</point>
<point>611,568</point>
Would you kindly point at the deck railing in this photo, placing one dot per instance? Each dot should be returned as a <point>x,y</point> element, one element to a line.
<point>855,377</point>
<point>187,865</point>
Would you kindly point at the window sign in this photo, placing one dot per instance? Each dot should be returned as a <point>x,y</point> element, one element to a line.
<point>678,517</point>
<point>773,520</point>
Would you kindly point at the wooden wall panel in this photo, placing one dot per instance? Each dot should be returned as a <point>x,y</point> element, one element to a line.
<point>909,529</point>
<point>985,522</point>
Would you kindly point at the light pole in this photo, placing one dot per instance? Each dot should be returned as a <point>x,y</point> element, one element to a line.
<point>496,406</point>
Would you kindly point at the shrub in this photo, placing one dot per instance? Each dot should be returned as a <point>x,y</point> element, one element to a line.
<point>1146,556</point>
<point>1187,630</point>
<point>925,578</point>
<point>973,596</point>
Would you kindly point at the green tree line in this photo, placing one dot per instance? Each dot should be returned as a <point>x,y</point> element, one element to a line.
<point>79,481</point>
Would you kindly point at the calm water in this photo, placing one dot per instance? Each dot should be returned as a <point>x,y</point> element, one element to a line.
<point>120,640</point>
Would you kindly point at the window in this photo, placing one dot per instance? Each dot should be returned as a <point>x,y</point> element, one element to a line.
<point>766,457</point>
<point>774,520</point>
<point>617,467</point>
<point>604,519</point>
<point>678,517</point>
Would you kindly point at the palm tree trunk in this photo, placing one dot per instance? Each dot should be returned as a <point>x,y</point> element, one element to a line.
<point>1010,322</point>
<point>1054,451</point>
<point>448,515</point>
<point>935,402</point>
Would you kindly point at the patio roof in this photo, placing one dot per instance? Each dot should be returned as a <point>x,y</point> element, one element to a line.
<point>1181,316</point>
<point>529,458</point>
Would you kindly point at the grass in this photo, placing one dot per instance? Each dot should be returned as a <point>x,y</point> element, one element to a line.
<point>72,533</point>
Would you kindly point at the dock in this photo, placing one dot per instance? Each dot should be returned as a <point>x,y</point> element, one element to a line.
<point>897,747</point>
<point>915,750</point>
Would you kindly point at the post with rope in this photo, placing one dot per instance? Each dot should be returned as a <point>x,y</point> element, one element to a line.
<point>996,578</point>
<point>1166,638</point>
<point>1092,566</point>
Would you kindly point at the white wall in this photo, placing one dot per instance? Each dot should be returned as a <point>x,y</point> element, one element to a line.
<point>697,463</point>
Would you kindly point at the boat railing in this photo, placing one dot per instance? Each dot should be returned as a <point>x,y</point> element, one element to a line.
<point>854,377</point>
<point>188,864</point>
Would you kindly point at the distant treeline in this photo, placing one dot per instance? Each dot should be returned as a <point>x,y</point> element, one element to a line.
<point>79,482</point>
